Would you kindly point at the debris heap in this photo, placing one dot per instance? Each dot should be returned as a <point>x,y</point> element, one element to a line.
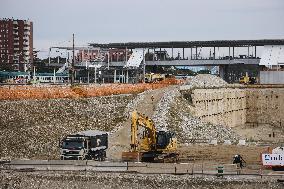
<point>174,113</point>
<point>204,81</point>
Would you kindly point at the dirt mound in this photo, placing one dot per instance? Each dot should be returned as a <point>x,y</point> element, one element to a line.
<point>204,81</point>
<point>174,113</point>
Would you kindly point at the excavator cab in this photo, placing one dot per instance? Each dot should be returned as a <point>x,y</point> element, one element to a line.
<point>164,138</point>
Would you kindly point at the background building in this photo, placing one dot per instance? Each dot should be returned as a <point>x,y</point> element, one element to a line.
<point>16,44</point>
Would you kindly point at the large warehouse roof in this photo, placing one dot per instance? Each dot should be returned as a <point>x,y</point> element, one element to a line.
<point>189,44</point>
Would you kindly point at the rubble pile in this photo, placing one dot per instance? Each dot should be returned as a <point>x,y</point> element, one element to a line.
<point>174,113</point>
<point>204,81</point>
<point>161,113</point>
<point>32,128</point>
<point>58,180</point>
<point>132,105</point>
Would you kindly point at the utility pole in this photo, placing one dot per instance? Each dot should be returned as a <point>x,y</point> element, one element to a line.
<point>144,66</point>
<point>34,76</point>
<point>87,66</point>
<point>73,62</point>
<point>49,54</point>
<point>108,60</point>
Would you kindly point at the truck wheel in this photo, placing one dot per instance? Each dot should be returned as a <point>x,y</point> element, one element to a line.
<point>102,158</point>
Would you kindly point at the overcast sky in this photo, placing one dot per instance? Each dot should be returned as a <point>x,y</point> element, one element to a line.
<point>147,20</point>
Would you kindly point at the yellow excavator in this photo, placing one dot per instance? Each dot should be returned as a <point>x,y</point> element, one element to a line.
<point>152,78</point>
<point>247,80</point>
<point>149,145</point>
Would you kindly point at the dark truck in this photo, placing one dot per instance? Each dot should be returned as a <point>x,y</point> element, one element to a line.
<point>85,145</point>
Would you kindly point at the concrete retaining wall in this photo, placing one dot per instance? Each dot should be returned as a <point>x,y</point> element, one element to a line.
<point>265,106</point>
<point>233,107</point>
<point>220,106</point>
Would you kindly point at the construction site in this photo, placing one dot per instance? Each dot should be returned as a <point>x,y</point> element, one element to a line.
<point>212,121</point>
<point>141,94</point>
<point>133,117</point>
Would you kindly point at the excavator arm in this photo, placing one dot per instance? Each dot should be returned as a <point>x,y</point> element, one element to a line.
<point>148,141</point>
<point>134,131</point>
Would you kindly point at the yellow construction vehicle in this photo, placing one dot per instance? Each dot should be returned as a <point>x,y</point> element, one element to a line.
<point>149,145</point>
<point>152,78</point>
<point>247,80</point>
<point>244,80</point>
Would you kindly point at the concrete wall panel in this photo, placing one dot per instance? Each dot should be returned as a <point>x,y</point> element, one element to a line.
<point>220,106</point>
<point>233,107</point>
<point>271,77</point>
<point>265,106</point>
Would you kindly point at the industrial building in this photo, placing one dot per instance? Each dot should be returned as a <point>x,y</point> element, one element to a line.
<point>230,59</point>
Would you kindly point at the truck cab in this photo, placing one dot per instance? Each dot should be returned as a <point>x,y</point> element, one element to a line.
<point>85,145</point>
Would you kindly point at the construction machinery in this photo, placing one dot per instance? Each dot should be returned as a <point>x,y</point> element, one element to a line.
<point>152,77</point>
<point>149,145</point>
<point>247,80</point>
<point>85,145</point>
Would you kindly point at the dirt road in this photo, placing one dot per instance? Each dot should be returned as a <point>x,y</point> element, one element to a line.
<point>119,141</point>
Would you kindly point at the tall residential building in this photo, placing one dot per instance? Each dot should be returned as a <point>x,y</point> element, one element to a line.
<point>16,43</point>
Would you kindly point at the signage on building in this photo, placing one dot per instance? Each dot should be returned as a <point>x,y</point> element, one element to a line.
<point>273,159</point>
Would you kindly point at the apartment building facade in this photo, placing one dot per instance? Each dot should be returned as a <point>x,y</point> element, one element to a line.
<point>16,43</point>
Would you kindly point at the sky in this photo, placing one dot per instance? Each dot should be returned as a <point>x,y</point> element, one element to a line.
<point>104,21</point>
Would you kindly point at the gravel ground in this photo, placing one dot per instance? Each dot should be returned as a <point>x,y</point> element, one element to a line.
<point>32,128</point>
<point>58,180</point>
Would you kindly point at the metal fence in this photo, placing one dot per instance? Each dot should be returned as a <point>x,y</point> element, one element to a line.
<point>194,169</point>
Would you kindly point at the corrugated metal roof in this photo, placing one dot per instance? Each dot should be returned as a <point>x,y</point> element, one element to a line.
<point>189,44</point>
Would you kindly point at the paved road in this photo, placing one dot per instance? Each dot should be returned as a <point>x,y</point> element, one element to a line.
<point>144,168</point>
<point>65,165</point>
